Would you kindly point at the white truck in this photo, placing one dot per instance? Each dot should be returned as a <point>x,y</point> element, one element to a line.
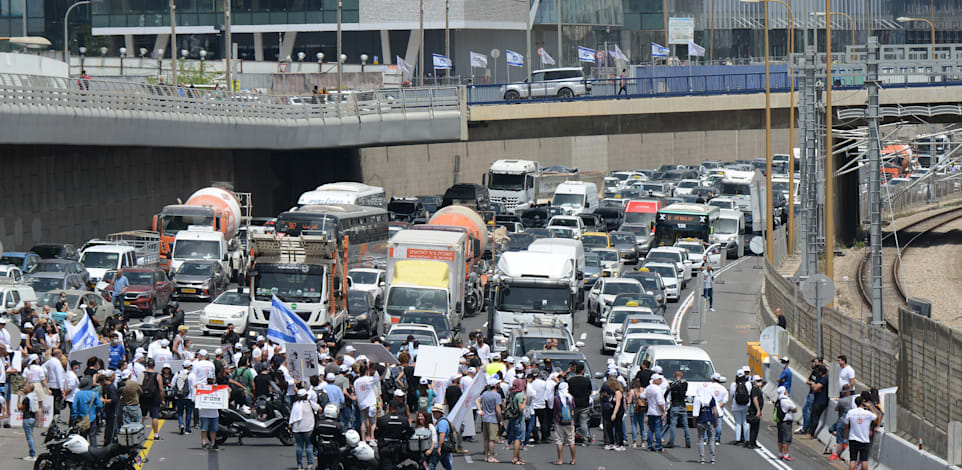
<point>306,274</point>
<point>576,197</point>
<point>729,231</point>
<point>199,243</point>
<point>747,189</point>
<point>530,287</point>
<point>123,250</point>
<point>570,250</point>
<point>513,184</point>
<point>426,271</point>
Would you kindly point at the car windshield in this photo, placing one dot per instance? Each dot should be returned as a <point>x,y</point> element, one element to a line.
<point>92,259</point>
<point>195,269</point>
<point>519,241</point>
<point>363,277</point>
<point>506,182</point>
<point>636,230</point>
<point>592,260</point>
<point>735,189</point>
<point>723,203</point>
<point>559,232</point>
<point>50,268</point>
<point>647,328</point>
<point>693,248</point>
<point>397,342</point>
<point>726,225</point>
<point>665,271</point>
<point>618,316</point>
<point>357,303</point>
<point>50,299</point>
<point>139,278</point>
<point>44,284</point>
<point>622,239</point>
<point>47,251</point>
<point>649,283</point>
<point>413,298</point>
<point>14,260</point>
<point>538,299</point>
<point>694,370</point>
<point>594,241</point>
<point>402,207</point>
<point>559,222</point>
<point>640,219</point>
<point>606,255</point>
<point>662,256</point>
<point>654,187</point>
<point>175,223</point>
<point>687,184</point>
<point>641,300</point>
<point>523,344</point>
<point>568,200</point>
<point>632,345</point>
<point>196,249</point>
<point>780,186</point>
<point>621,288</point>
<point>439,322</point>
<point>238,299</point>
<point>289,286</point>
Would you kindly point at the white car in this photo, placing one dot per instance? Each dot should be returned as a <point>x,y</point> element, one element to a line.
<point>369,280</point>
<point>569,221</point>
<point>611,264</point>
<point>631,327</point>
<point>685,186</point>
<point>669,275</point>
<point>614,322</point>
<point>694,363</point>
<point>676,256</point>
<point>628,348</point>
<point>228,308</point>
<point>696,251</point>
<point>603,293</point>
<point>12,272</point>
<point>723,203</point>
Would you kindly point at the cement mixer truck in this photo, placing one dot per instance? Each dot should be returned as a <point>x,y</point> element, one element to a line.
<point>217,210</point>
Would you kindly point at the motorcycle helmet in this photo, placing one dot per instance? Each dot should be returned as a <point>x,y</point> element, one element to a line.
<point>363,452</point>
<point>352,438</point>
<point>330,411</point>
<point>138,336</point>
<point>76,444</point>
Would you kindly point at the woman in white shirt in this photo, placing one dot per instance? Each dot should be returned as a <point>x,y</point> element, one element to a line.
<point>51,335</point>
<point>34,374</point>
<point>424,421</point>
<point>302,424</point>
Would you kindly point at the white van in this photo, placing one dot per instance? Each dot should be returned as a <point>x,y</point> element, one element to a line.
<point>99,259</point>
<point>729,230</point>
<point>198,243</point>
<point>576,197</point>
<point>569,249</point>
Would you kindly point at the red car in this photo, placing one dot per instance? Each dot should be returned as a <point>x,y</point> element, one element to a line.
<point>149,290</point>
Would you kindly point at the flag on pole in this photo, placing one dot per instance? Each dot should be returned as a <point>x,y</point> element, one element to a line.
<point>83,335</point>
<point>515,59</point>
<point>545,58</point>
<point>586,55</point>
<point>441,61</point>
<point>694,50</point>
<point>479,60</point>
<point>657,50</point>
<point>618,54</point>
<point>404,66</point>
<point>286,327</point>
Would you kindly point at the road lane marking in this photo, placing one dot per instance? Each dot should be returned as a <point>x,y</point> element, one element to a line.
<point>762,451</point>
<point>148,445</point>
<point>689,301</point>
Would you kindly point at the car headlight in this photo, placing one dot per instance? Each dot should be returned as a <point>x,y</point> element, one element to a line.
<point>239,314</point>
<point>362,316</point>
<point>501,343</point>
<point>626,364</point>
<point>143,295</point>
<point>608,333</point>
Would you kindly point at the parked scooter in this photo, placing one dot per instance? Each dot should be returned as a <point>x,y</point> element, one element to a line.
<point>267,418</point>
<point>68,449</point>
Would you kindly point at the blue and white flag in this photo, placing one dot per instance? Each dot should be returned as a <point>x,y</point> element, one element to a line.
<point>586,55</point>
<point>404,65</point>
<point>618,54</point>
<point>286,327</point>
<point>441,61</point>
<point>83,335</point>
<point>514,58</point>
<point>546,58</point>
<point>694,50</point>
<point>479,60</point>
<point>657,50</point>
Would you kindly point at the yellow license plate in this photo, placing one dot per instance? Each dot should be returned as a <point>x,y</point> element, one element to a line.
<point>126,303</point>
<point>189,291</point>
<point>217,322</point>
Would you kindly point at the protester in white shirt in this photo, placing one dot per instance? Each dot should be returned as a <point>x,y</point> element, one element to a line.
<point>55,377</point>
<point>858,426</point>
<point>365,388</point>
<point>656,412</point>
<point>537,388</point>
<point>846,374</point>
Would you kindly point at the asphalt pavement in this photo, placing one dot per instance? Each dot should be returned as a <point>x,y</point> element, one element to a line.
<point>725,332</point>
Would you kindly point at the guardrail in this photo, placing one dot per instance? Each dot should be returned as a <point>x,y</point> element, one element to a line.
<point>848,77</point>
<point>101,95</point>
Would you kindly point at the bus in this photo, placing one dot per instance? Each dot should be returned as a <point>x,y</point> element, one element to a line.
<point>642,212</point>
<point>345,193</point>
<point>682,220</point>
<point>365,227</point>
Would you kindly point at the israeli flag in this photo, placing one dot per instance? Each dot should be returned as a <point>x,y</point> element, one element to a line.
<point>286,327</point>
<point>586,55</point>
<point>657,50</point>
<point>513,58</point>
<point>441,61</point>
<point>83,335</point>
<point>695,50</point>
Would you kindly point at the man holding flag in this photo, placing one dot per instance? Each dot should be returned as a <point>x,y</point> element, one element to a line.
<point>286,327</point>
<point>83,335</point>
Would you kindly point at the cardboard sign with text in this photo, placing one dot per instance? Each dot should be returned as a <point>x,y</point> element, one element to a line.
<point>212,397</point>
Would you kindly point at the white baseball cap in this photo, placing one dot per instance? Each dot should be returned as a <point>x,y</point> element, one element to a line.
<point>657,369</point>
<point>716,376</point>
<point>330,377</point>
<point>261,338</point>
<point>349,348</point>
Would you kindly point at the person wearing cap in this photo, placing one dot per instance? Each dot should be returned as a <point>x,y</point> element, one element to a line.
<point>349,355</point>
<point>4,334</point>
<point>441,454</point>
<point>183,390</point>
<point>208,420</point>
<point>705,414</point>
<point>162,354</point>
<point>495,365</point>
<point>178,346</point>
<point>202,367</point>
<point>302,425</point>
<point>755,412</point>
<point>656,412</point>
<point>740,391</point>
<point>130,395</point>
<point>720,395</point>
<point>365,387</point>
<point>677,409</point>
<point>35,374</point>
<point>785,423</point>
<point>467,424</point>
<point>489,408</point>
<point>785,377</point>
<point>392,430</point>
<point>334,393</point>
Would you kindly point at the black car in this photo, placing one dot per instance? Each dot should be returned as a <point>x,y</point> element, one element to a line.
<point>536,217</point>
<point>406,209</point>
<point>363,315</point>
<point>472,195</point>
<point>612,216</point>
<point>593,222</point>
<point>56,251</point>
<point>437,320</point>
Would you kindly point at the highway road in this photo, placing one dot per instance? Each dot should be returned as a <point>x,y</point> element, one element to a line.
<point>726,331</point>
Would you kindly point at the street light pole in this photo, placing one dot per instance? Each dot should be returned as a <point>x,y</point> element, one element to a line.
<point>229,46</point>
<point>24,16</point>
<point>421,44</point>
<point>66,36</point>
<point>829,157</point>
<point>561,55</point>
<point>173,43</point>
<point>905,19</point>
<point>769,223</point>
<point>340,4</point>
<point>447,40</point>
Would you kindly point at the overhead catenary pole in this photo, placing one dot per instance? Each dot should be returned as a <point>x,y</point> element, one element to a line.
<point>769,223</point>
<point>228,48</point>
<point>173,43</point>
<point>711,36</point>
<point>420,43</point>
<point>66,36</point>
<point>561,55</point>
<point>447,39</point>
<point>829,157</point>
<point>340,5</point>
<point>874,158</point>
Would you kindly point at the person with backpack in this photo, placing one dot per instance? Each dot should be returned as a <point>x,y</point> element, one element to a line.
<point>784,416</point>
<point>755,412</point>
<point>563,430</point>
<point>705,412</point>
<point>242,380</point>
<point>514,413</point>
<point>741,398</point>
<point>445,442</point>
<point>182,386</point>
<point>677,409</point>
<point>152,397</point>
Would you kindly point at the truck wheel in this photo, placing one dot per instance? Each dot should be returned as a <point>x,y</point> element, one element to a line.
<point>512,95</point>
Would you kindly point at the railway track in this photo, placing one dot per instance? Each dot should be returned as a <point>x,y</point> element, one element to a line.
<point>893,292</point>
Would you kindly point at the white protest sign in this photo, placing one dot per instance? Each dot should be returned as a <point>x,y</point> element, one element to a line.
<point>301,360</point>
<point>81,355</point>
<point>16,416</point>
<point>436,362</point>
<point>212,397</point>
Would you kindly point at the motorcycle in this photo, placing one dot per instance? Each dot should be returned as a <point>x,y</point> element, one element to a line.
<point>344,452</point>
<point>67,449</point>
<point>268,418</point>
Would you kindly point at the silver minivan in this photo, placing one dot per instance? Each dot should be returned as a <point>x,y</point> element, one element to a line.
<point>563,82</point>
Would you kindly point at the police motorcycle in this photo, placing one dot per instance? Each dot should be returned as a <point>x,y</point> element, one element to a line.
<point>268,417</point>
<point>67,449</point>
<point>339,450</point>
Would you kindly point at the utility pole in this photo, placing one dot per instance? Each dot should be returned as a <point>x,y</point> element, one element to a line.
<point>229,49</point>
<point>769,223</point>
<point>340,4</point>
<point>874,159</point>
<point>420,44</point>
<point>173,43</point>
<point>810,182</point>
<point>447,39</point>
<point>829,157</point>
<point>802,214</point>
<point>561,55</point>
<point>527,44</point>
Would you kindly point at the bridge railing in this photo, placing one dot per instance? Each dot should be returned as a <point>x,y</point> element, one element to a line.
<point>847,76</point>
<point>118,96</point>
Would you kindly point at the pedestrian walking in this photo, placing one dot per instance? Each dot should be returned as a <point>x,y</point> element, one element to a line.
<point>86,407</point>
<point>445,441</point>
<point>183,388</point>
<point>741,398</point>
<point>785,410</point>
<point>130,395</point>
<point>720,394</point>
<point>754,417</point>
<point>705,411</point>
<point>119,289</point>
<point>623,83</point>
<point>151,397</point>
<point>858,426</point>
<point>29,406</point>
<point>707,283</point>
<point>656,413</point>
<point>678,411</point>
<point>782,322</point>
<point>564,428</point>
<point>302,425</point>
<point>208,422</point>
<point>489,407</point>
